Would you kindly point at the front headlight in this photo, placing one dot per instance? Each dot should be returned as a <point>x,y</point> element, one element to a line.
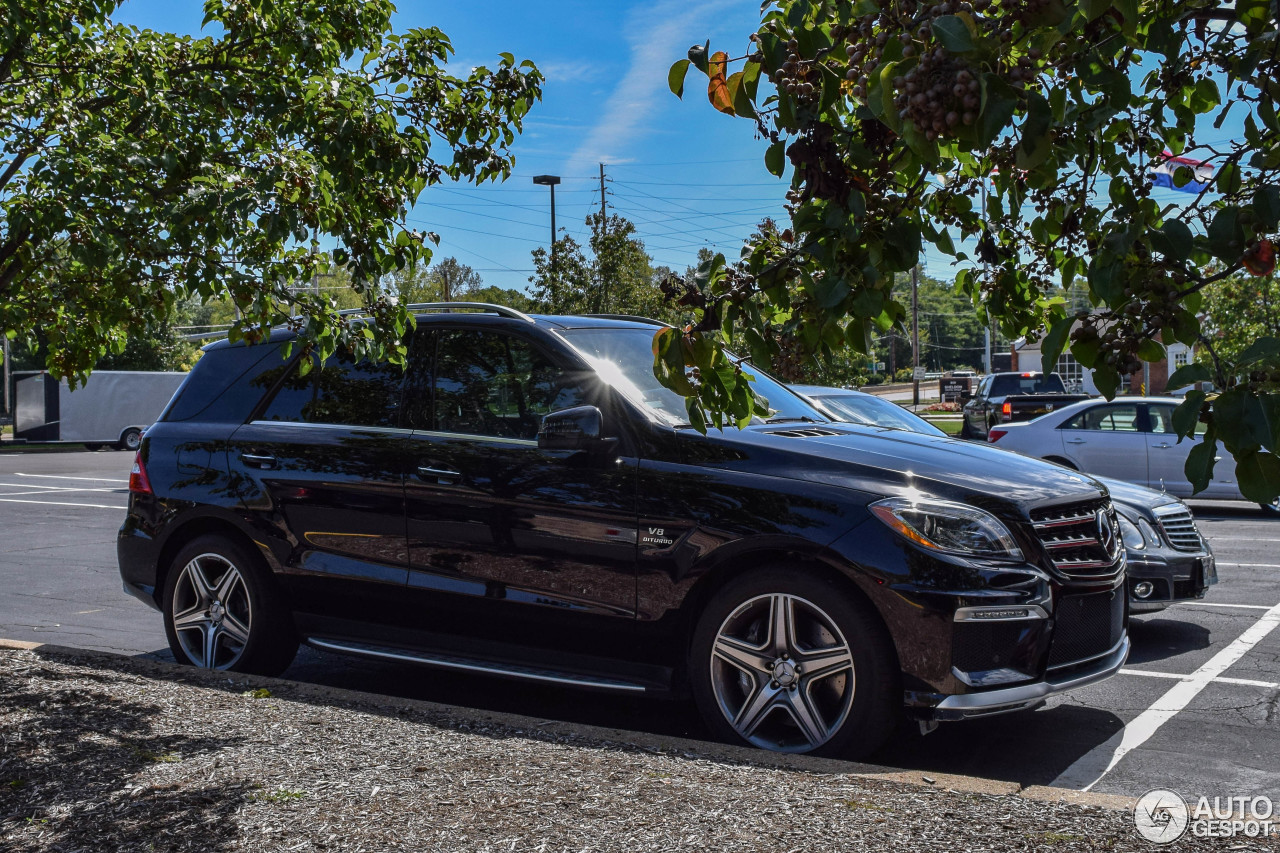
<point>1130,534</point>
<point>1149,533</point>
<point>947,527</point>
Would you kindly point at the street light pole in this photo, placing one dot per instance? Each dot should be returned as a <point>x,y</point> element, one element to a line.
<point>915,335</point>
<point>550,181</point>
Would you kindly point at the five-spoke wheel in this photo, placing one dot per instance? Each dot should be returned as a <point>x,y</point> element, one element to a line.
<point>222,610</point>
<point>793,662</point>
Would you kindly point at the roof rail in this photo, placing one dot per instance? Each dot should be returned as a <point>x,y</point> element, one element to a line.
<point>634,318</point>
<point>501,310</point>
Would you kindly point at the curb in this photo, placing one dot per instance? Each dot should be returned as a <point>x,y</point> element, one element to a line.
<point>705,750</point>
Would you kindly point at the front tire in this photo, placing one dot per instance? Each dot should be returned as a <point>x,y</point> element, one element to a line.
<point>789,661</point>
<point>222,610</point>
<point>1272,509</point>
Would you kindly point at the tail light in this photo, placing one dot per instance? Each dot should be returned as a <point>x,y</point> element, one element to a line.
<point>996,434</point>
<point>1007,411</point>
<point>139,483</point>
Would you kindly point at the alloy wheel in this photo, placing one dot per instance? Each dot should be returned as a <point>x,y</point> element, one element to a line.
<point>212,612</point>
<point>782,673</point>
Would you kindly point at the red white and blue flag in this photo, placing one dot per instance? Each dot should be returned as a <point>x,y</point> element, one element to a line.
<point>1202,173</point>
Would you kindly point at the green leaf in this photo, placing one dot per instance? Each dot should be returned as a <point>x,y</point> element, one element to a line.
<point>954,34</point>
<point>999,100</point>
<point>1266,207</point>
<point>675,77</point>
<point>738,96</point>
<point>1151,350</point>
<point>775,158</point>
<point>1173,240</point>
<point>1200,461</point>
<point>1226,237</point>
<point>1258,473</point>
<point>1053,343</point>
<point>1263,349</point>
<point>1107,380</point>
<point>1187,416</point>
<point>1189,374</point>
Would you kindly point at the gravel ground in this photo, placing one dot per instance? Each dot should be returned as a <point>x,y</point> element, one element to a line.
<point>116,754</point>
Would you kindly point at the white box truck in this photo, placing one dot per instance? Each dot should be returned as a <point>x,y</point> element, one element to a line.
<point>110,410</point>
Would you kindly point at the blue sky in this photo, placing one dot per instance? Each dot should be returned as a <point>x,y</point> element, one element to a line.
<point>686,175</point>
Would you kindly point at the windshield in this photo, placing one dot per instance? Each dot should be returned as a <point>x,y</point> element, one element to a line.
<point>876,412</point>
<point>624,358</point>
<point>1011,384</point>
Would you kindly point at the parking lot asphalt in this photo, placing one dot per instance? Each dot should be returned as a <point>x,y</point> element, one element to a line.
<point>1196,710</point>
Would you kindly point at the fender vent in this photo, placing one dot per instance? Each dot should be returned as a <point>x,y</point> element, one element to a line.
<point>805,432</point>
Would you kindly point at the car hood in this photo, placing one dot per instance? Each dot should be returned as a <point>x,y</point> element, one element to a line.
<point>1138,497</point>
<point>892,462</point>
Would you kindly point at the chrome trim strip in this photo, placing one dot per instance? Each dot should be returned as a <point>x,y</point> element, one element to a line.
<point>972,614</point>
<point>1062,522</point>
<point>994,700</point>
<point>520,442</point>
<point>491,669</point>
<point>306,425</point>
<point>1072,543</point>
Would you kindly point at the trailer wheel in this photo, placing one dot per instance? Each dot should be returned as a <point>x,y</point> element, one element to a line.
<point>131,439</point>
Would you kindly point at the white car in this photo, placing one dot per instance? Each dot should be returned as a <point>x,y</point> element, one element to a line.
<point>1128,438</point>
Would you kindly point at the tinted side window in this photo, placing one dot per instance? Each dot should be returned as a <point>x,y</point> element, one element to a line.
<point>226,375</point>
<point>492,384</point>
<point>1122,418</point>
<point>342,391</point>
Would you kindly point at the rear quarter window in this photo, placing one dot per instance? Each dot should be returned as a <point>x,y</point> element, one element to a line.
<point>226,383</point>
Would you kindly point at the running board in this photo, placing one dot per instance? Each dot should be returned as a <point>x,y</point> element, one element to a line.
<point>461,664</point>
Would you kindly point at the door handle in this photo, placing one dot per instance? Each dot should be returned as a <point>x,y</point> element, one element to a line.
<point>1076,441</point>
<point>1164,446</point>
<point>440,475</point>
<point>256,461</point>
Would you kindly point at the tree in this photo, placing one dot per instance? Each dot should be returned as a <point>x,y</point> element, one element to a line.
<point>140,168</point>
<point>899,117</point>
<point>445,281</point>
<point>618,278</point>
<point>1239,311</point>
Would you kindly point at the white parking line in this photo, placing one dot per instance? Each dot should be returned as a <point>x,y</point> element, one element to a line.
<point>64,477</point>
<point>61,503</point>
<point>1222,604</point>
<point>1089,768</point>
<point>1252,565</point>
<point>60,491</point>
<point>45,487</point>
<point>1222,679</point>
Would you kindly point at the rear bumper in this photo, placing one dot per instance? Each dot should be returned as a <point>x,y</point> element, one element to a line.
<point>1030,695</point>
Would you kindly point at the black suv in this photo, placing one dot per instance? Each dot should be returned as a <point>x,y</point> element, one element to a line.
<point>525,499</point>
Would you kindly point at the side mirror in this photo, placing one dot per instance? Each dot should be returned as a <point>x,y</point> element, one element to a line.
<point>578,428</point>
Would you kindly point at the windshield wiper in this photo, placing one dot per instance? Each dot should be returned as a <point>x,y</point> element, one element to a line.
<point>803,419</point>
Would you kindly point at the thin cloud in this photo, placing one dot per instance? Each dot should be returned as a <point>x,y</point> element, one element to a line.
<point>657,34</point>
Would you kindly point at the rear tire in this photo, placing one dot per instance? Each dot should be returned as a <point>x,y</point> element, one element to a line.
<point>1272,509</point>
<point>222,610</point>
<point>789,661</point>
<point>130,439</point>
<point>965,431</point>
<point>1058,460</point>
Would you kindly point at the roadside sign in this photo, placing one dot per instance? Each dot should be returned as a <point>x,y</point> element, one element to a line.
<point>954,387</point>
<point>879,365</point>
<point>918,373</point>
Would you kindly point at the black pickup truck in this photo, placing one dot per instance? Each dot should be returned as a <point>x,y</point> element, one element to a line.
<point>1004,398</point>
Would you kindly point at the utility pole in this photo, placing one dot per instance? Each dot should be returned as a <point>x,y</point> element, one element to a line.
<point>8,406</point>
<point>915,335</point>
<point>604,206</point>
<point>446,289</point>
<point>551,181</point>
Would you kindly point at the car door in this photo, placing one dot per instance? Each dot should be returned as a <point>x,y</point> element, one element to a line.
<point>321,471</point>
<point>1107,439</point>
<point>1167,458</point>
<point>524,552</point>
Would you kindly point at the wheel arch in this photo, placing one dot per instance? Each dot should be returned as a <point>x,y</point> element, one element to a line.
<point>720,569</point>
<point>195,527</point>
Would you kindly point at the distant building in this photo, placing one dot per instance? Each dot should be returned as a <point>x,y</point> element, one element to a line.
<point>1025,356</point>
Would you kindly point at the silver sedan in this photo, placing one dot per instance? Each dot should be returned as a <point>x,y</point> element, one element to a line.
<point>1130,439</point>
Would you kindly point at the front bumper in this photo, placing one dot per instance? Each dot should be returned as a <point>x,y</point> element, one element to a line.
<point>1174,576</point>
<point>1027,696</point>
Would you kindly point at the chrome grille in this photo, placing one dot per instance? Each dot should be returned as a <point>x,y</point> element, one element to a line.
<point>1180,527</point>
<point>1077,545</point>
